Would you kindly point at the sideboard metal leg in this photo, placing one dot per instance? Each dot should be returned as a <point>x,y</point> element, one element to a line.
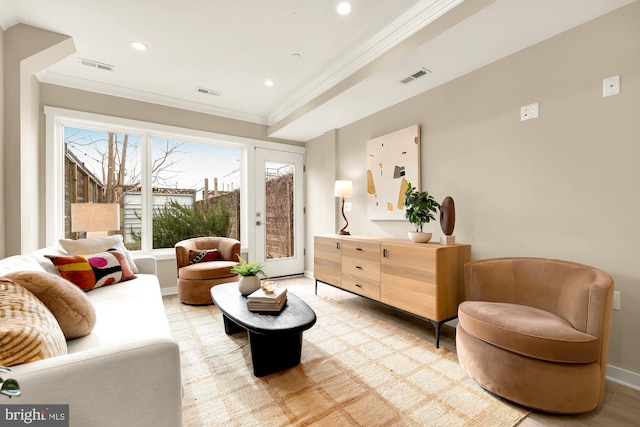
<point>437,326</point>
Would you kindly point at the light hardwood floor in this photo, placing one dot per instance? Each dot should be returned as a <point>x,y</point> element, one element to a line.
<point>620,406</point>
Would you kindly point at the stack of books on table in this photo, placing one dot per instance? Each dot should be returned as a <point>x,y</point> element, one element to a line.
<point>264,301</point>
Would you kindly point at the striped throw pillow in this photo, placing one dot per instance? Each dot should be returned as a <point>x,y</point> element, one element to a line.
<point>28,330</point>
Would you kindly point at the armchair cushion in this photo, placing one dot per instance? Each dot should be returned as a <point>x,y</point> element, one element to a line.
<point>207,270</point>
<point>528,331</point>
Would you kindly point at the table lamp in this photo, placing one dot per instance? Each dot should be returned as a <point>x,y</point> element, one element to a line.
<point>343,189</point>
<point>97,219</point>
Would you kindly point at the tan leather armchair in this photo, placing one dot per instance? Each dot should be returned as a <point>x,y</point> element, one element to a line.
<point>536,331</point>
<point>195,280</point>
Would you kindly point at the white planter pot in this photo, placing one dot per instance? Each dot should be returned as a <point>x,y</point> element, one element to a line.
<point>419,237</point>
<point>248,285</point>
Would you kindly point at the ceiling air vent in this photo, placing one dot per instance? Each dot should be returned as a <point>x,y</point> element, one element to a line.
<point>415,75</point>
<point>206,91</point>
<point>96,64</point>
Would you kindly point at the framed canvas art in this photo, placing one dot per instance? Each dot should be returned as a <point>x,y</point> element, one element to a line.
<point>393,161</point>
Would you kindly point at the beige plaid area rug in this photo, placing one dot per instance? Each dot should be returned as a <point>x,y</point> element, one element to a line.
<point>355,371</point>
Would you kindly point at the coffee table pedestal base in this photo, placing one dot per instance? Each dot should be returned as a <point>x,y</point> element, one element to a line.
<point>269,353</point>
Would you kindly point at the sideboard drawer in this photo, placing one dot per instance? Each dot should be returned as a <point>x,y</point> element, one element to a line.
<point>361,276</point>
<point>361,249</point>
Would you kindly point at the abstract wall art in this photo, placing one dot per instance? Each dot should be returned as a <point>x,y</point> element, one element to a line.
<point>393,160</point>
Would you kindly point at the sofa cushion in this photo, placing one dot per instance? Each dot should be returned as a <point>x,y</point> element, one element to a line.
<point>207,270</point>
<point>528,331</point>
<point>95,270</point>
<point>19,263</point>
<point>70,306</point>
<point>97,244</point>
<point>28,330</point>
<point>204,255</point>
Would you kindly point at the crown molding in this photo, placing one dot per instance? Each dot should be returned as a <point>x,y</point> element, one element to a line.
<point>136,95</point>
<point>410,22</point>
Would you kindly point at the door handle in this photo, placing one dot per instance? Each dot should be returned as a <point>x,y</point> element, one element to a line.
<point>258,222</point>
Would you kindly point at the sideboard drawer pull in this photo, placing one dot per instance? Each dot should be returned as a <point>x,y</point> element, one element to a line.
<point>337,245</point>
<point>359,249</point>
<point>358,285</point>
<point>384,253</point>
<point>358,267</point>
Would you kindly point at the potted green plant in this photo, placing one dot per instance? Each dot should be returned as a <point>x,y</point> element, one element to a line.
<point>420,208</point>
<point>249,279</point>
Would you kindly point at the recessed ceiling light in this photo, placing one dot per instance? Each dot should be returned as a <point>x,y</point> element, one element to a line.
<point>138,45</point>
<point>344,8</point>
<point>269,83</point>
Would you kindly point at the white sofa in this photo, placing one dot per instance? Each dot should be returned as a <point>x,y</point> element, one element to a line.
<point>126,372</point>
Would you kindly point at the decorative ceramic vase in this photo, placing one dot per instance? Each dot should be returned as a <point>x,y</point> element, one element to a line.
<point>419,236</point>
<point>248,285</point>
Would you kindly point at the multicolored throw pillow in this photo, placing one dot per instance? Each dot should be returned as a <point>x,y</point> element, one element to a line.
<point>94,245</point>
<point>94,271</point>
<point>205,255</point>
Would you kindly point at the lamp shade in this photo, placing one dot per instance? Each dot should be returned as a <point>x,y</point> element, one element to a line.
<point>343,189</point>
<point>95,217</point>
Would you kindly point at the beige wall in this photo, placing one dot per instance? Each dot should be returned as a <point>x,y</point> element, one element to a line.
<point>320,155</point>
<point>27,50</point>
<point>565,185</point>
<point>2,251</point>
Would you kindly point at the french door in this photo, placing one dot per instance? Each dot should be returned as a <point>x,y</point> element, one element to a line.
<point>279,211</point>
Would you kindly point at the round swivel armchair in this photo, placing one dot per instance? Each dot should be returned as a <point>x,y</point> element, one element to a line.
<point>203,262</point>
<point>536,331</point>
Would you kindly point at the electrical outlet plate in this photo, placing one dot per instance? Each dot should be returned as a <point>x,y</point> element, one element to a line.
<point>616,300</point>
<point>611,86</point>
<point>529,112</point>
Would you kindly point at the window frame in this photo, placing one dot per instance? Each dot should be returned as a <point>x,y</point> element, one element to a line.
<point>57,118</point>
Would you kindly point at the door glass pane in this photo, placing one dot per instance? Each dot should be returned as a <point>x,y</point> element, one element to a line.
<point>196,191</point>
<point>100,167</point>
<point>279,215</point>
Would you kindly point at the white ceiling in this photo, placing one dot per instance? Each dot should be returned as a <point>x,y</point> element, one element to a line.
<point>349,66</point>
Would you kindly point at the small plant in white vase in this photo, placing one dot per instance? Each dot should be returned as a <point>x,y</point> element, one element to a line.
<point>249,271</point>
<point>420,209</point>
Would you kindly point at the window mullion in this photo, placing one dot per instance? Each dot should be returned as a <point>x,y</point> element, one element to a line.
<point>146,194</point>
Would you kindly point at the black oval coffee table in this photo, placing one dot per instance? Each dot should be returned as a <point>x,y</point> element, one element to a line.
<point>275,338</point>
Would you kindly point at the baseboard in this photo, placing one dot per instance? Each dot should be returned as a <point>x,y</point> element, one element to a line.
<point>308,274</point>
<point>169,291</point>
<point>623,377</point>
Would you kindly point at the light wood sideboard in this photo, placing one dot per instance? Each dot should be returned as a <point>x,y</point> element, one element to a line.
<point>423,279</point>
